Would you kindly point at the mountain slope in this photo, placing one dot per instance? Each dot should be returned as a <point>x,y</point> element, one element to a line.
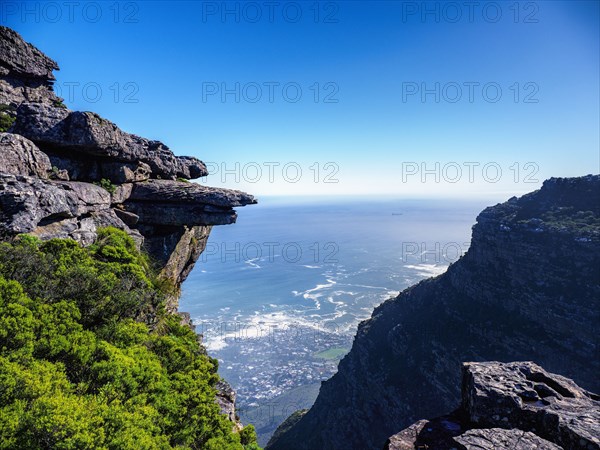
<point>527,289</point>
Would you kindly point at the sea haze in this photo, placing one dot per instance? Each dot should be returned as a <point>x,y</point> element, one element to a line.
<point>278,296</point>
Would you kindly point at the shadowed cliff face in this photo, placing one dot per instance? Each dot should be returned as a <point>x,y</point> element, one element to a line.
<point>52,160</point>
<point>527,289</point>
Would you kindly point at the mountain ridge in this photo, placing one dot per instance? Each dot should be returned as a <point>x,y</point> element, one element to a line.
<point>527,289</point>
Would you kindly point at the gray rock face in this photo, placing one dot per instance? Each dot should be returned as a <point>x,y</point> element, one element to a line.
<point>20,156</point>
<point>176,249</point>
<point>85,135</point>
<point>226,401</point>
<point>499,439</point>
<point>50,209</point>
<point>525,396</point>
<point>96,170</point>
<point>173,203</point>
<point>189,193</point>
<point>527,289</point>
<point>407,438</point>
<point>446,433</point>
<point>23,59</point>
<point>510,406</point>
<point>171,218</point>
<point>25,72</point>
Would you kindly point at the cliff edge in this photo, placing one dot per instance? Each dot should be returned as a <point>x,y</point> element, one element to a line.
<point>527,289</point>
<point>64,174</point>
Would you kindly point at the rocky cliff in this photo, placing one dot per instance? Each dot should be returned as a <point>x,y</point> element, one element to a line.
<point>66,173</point>
<point>527,289</point>
<point>512,406</point>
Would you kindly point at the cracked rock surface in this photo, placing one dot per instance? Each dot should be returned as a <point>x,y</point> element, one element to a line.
<point>512,406</point>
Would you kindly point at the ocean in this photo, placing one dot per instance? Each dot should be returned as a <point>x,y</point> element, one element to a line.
<point>278,296</point>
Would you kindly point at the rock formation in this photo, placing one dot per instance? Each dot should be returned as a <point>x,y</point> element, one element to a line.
<point>65,173</point>
<point>516,406</point>
<point>25,72</point>
<point>527,289</point>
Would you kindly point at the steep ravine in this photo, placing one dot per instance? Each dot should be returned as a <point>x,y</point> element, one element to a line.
<point>527,289</point>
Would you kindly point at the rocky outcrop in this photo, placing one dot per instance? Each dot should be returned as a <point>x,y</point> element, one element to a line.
<point>20,156</point>
<point>66,173</point>
<point>516,406</point>
<point>25,72</point>
<point>226,401</point>
<point>525,396</point>
<point>527,289</point>
<point>76,137</point>
<point>500,439</point>
<point>56,209</point>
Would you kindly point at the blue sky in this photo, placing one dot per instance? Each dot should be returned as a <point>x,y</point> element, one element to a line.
<point>158,69</point>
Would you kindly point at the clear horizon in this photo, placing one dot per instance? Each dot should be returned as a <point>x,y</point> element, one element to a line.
<point>394,100</point>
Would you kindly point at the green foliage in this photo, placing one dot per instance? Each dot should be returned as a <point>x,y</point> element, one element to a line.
<point>576,222</point>
<point>183,180</point>
<point>59,104</point>
<point>106,184</point>
<point>7,117</point>
<point>248,435</point>
<point>79,370</point>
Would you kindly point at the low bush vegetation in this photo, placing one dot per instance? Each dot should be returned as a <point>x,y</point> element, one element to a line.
<point>78,370</point>
<point>7,117</point>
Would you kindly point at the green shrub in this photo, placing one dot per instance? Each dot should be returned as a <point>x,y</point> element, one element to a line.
<point>7,117</point>
<point>77,367</point>
<point>59,104</point>
<point>106,184</point>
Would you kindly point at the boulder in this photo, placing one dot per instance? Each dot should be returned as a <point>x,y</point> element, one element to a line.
<point>523,395</point>
<point>512,406</point>
<point>55,209</point>
<point>85,135</point>
<point>20,156</point>
<point>500,439</point>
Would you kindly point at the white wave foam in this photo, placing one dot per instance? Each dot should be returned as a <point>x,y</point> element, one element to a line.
<point>252,264</point>
<point>427,270</point>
